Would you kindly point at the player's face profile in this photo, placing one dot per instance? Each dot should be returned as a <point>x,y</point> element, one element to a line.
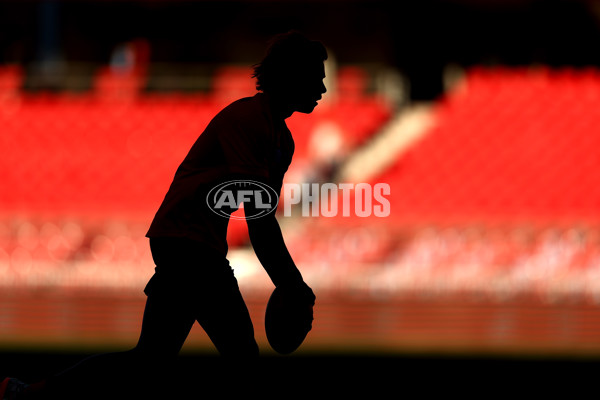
<point>309,88</point>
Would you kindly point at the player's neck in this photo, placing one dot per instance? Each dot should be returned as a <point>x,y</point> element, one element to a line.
<point>280,109</point>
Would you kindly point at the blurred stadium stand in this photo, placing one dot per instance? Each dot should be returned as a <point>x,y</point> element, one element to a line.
<point>492,243</point>
<point>495,200</point>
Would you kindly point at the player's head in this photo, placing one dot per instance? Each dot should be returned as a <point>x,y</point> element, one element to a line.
<point>293,70</point>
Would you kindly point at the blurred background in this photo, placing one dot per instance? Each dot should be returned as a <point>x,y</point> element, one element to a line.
<point>482,116</point>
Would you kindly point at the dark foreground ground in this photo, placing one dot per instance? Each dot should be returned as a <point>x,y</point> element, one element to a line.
<point>202,376</point>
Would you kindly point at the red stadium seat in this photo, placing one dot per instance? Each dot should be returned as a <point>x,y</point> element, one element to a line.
<point>11,79</point>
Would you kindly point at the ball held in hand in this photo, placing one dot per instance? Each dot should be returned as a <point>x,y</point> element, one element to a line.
<point>288,319</point>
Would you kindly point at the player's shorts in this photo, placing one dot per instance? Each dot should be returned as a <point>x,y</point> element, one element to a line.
<point>185,266</point>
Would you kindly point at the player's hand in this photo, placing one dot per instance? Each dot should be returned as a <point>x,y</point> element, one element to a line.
<point>298,292</point>
<point>300,300</point>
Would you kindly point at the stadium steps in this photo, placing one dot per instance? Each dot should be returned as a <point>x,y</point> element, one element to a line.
<point>397,136</point>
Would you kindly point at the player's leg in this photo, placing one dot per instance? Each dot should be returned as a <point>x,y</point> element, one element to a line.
<point>222,313</point>
<point>166,324</point>
<point>205,277</point>
<point>224,316</point>
<point>142,370</point>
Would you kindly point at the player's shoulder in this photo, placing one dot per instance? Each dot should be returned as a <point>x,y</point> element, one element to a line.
<point>244,109</point>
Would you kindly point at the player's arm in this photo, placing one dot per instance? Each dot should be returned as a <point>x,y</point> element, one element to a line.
<point>269,245</point>
<point>244,144</point>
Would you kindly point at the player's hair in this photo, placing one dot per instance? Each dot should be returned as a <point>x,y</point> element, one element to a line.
<point>286,52</point>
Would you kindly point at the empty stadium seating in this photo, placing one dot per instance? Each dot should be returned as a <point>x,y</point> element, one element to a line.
<point>509,145</point>
<point>501,195</point>
<point>502,192</point>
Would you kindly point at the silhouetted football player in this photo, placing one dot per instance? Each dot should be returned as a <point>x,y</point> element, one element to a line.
<point>247,141</point>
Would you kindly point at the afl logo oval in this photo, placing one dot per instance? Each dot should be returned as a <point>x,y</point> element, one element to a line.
<point>227,197</point>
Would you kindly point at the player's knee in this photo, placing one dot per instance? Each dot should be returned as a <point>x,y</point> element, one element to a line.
<point>239,350</point>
